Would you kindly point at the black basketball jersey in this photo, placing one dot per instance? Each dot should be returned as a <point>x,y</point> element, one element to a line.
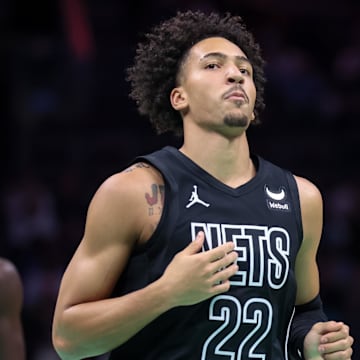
<point>262,218</point>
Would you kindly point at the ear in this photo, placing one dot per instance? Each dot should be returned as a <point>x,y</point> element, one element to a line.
<point>252,116</point>
<point>178,98</point>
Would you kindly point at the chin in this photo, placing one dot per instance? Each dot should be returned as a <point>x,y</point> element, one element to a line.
<point>237,120</point>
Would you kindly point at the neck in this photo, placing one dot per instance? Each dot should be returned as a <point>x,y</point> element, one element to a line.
<point>228,160</point>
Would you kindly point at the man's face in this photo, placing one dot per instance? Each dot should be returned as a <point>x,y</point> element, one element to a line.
<point>217,85</point>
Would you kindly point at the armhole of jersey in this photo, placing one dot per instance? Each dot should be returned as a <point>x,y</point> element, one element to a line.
<point>296,201</point>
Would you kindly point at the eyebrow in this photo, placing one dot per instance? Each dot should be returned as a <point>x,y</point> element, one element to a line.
<point>239,58</point>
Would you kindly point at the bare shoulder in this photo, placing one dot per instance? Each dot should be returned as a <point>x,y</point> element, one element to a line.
<point>309,193</point>
<point>123,202</point>
<point>8,271</point>
<point>131,178</point>
<point>10,285</point>
<point>129,187</point>
<point>311,204</point>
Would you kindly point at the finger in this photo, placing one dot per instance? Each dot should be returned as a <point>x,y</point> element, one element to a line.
<point>226,261</point>
<point>326,327</point>
<point>224,274</point>
<point>220,287</point>
<point>345,354</point>
<point>220,252</point>
<point>342,346</point>
<point>341,333</point>
<point>335,342</point>
<point>196,245</point>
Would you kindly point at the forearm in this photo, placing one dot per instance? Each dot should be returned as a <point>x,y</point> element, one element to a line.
<point>306,316</point>
<point>94,328</point>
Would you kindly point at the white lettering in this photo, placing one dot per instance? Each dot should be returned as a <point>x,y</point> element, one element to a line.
<point>276,205</point>
<point>263,253</point>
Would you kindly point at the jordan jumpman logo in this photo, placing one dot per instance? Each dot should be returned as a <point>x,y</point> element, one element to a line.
<point>194,199</point>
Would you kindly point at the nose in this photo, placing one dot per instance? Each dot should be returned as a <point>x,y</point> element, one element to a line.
<point>234,75</point>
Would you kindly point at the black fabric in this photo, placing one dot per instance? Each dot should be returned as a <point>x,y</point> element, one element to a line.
<point>306,315</point>
<point>262,218</point>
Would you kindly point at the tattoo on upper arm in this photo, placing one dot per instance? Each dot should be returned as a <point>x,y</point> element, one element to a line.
<point>155,199</point>
<point>139,165</point>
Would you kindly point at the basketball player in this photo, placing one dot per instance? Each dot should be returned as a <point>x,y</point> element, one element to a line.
<point>12,345</point>
<point>205,252</point>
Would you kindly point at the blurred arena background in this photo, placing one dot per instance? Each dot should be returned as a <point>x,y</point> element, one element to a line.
<point>67,123</point>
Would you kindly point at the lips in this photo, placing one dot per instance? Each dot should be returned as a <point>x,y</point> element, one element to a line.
<point>235,94</point>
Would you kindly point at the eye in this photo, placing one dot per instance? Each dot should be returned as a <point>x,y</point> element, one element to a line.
<point>212,66</point>
<point>244,71</point>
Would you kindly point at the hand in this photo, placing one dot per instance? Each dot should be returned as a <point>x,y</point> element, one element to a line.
<point>194,276</point>
<point>328,340</point>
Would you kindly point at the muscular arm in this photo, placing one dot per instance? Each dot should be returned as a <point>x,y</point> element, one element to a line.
<point>306,269</point>
<point>86,321</point>
<point>325,339</point>
<point>12,345</point>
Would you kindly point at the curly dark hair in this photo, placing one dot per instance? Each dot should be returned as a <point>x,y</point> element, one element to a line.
<point>159,58</point>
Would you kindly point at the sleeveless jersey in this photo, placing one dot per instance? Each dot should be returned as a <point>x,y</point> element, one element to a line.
<point>262,218</point>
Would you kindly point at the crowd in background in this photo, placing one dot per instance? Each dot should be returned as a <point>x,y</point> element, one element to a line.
<point>67,123</point>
